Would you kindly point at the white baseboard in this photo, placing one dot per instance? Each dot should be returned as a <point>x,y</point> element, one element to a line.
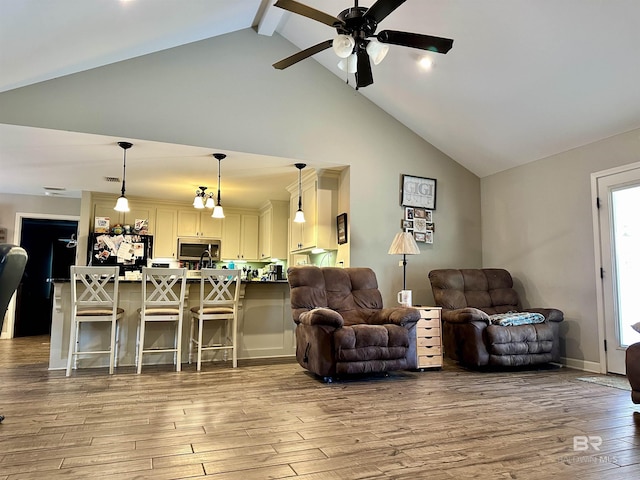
<point>577,364</point>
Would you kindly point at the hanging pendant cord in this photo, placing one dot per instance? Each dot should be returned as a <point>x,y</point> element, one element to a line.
<point>124,168</point>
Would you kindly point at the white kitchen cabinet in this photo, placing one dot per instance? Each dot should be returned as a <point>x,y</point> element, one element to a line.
<point>140,212</point>
<point>103,207</point>
<point>240,236</point>
<point>198,223</point>
<point>319,204</point>
<point>273,225</point>
<point>165,242</point>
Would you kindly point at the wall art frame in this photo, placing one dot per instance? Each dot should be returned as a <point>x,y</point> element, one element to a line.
<point>418,192</point>
<point>341,229</point>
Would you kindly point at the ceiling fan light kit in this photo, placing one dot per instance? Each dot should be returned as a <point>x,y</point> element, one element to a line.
<point>357,37</point>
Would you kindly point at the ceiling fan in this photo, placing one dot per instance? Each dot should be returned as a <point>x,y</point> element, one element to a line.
<point>357,40</point>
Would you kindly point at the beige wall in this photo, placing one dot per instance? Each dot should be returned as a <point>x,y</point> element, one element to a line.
<point>10,205</point>
<point>537,223</point>
<point>224,93</point>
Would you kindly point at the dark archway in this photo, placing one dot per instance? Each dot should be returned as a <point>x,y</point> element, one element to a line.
<point>46,243</point>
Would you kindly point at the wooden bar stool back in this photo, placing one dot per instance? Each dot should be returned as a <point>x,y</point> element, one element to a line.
<point>219,297</point>
<point>163,294</point>
<point>94,299</point>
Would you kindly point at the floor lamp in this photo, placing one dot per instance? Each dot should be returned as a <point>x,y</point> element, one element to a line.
<point>404,244</point>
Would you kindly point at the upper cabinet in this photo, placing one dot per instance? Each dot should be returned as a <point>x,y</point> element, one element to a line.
<point>319,204</point>
<point>240,236</point>
<point>198,223</point>
<point>165,243</point>
<point>274,226</point>
<point>245,234</point>
<point>103,207</point>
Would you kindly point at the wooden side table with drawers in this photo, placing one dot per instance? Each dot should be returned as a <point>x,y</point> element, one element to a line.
<point>428,337</point>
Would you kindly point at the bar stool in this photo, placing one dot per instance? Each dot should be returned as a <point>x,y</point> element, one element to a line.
<point>219,294</point>
<point>94,297</point>
<point>163,291</point>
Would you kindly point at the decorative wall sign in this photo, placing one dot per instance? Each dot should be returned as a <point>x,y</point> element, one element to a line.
<point>418,192</point>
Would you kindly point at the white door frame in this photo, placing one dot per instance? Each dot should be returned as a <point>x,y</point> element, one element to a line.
<point>17,234</point>
<point>600,304</point>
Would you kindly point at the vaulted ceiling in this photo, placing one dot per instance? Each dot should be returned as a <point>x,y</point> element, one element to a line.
<point>524,79</point>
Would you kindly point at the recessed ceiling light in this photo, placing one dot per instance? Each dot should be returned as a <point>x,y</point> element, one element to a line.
<point>425,63</point>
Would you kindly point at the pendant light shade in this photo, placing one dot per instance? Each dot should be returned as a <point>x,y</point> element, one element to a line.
<point>218,212</point>
<point>122,205</point>
<point>299,217</point>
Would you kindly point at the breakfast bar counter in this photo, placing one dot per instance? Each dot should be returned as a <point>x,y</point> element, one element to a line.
<point>265,325</point>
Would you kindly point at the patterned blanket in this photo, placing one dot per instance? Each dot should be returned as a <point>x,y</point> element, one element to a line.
<point>515,318</point>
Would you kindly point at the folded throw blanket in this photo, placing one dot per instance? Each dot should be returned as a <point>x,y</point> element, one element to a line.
<point>515,318</point>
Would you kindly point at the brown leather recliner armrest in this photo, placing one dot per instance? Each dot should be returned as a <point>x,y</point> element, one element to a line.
<point>402,316</point>
<point>322,316</point>
<point>464,315</point>
<point>550,314</point>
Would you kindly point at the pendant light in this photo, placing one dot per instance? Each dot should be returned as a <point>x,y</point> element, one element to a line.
<point>218,212</point>
<point>122,205</point>
<point>299,218</point>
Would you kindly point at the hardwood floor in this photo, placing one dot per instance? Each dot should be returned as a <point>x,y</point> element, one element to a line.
<point>272,420</point>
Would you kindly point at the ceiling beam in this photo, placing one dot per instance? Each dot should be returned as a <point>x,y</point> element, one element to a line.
<point>269,20</point>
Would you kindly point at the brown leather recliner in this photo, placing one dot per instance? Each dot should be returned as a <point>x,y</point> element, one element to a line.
<point>632,362</point>
<point>342,328</point>
<point>468,297</point>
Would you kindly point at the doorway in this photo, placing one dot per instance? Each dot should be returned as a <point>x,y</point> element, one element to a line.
<point>618,194</point>
<point>51,246</point>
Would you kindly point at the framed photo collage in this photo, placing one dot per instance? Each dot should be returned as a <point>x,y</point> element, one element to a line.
<point>419,222</point>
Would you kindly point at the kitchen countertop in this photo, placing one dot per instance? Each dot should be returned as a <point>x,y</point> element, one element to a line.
<point>189,280</point>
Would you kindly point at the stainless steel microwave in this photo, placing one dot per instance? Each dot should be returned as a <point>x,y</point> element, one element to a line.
<point>192,248</point>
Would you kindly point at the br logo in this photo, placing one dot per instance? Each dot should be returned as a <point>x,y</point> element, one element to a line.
<point>582,443</point>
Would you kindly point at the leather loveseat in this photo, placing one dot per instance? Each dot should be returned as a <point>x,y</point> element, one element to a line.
<point>471,302</point>
<point>341,326</point>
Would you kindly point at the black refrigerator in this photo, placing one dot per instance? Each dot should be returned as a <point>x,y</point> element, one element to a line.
<point>129,252</point>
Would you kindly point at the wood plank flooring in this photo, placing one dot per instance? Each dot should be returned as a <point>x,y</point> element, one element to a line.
<point>271,420</point>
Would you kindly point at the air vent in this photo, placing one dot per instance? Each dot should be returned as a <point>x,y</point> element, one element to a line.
<point>112,179</point>
<point>54,190</point>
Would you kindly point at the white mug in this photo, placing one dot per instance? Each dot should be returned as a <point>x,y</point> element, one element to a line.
<point>404,298</point>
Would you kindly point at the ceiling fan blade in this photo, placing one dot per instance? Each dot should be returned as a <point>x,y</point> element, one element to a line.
<point>364,76</point>
<point>308,12</point>
<point>379,10</point>
<point>416,40</point>
<point>295,58</point>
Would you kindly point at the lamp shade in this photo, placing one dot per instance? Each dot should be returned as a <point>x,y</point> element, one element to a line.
<point>218,212</point>
<point>377,51</point>
<point>404,244</point>
<point>349,64</point>
<point>198,202</point>
<point>343,45</point>
<point>122,204</point>
<point>299,218</point>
